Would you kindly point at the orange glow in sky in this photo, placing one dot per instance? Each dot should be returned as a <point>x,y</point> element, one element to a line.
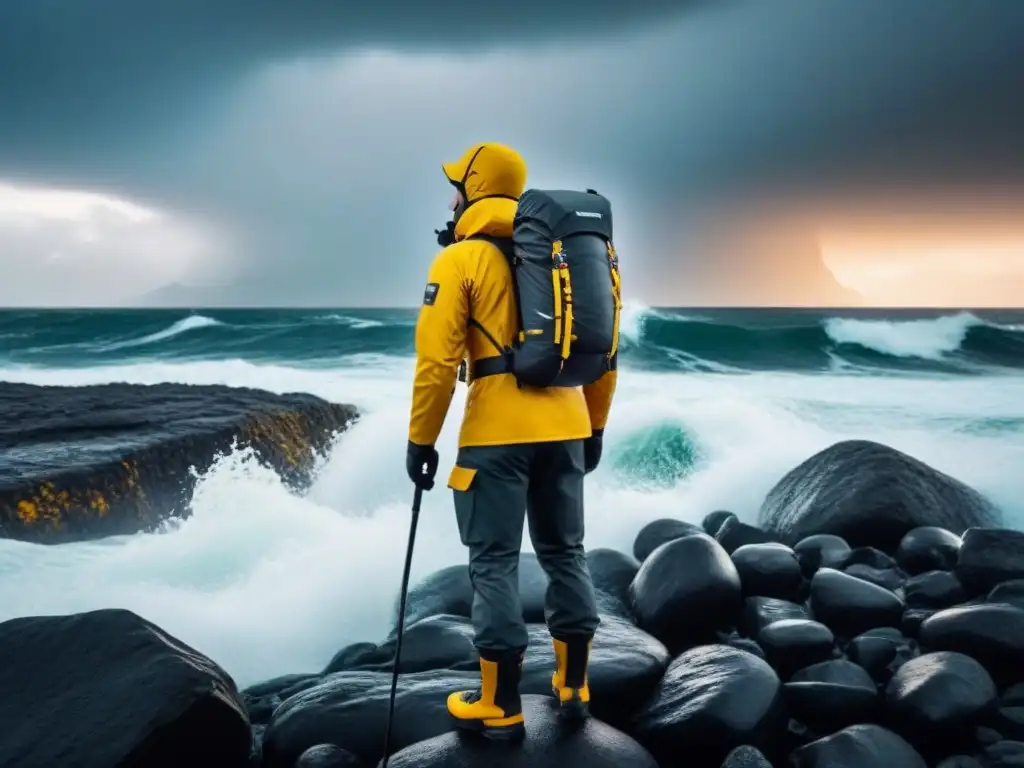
<point>971,270</point>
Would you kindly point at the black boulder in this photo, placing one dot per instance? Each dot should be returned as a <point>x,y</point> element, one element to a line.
<point>928,548</point>
<point>734,534</point>
<point>939,698</point>
<point>612,572</point>
<point>859,746</point>
<point>768,570</point>
<point>871,495</point>
<point>831,695</point>
<point>746,757</point>
<point>849,606</point>
<point>761,612</point>
<point>658,532</point>
<point>548,743</point>
<point>108,687</point>
<point>822,550</point>
<point>791,644</point>
<point>327,756</point>
<point>350,708</point>
<point>713,521</point>
<point>992,634</point>
<point>686,590</point>
<point>887,578</point>
<point>1009,592</point>
<point>712,699</point>
<point>934,590</point>
<point>990,556</point>
<point>881,652</point>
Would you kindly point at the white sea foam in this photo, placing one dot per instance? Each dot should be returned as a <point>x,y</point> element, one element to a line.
<point>268,583</point>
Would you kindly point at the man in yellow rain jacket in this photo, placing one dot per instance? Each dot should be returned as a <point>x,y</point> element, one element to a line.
<point>523,452</point>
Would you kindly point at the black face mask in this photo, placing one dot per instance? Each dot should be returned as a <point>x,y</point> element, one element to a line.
<point>446,236</point>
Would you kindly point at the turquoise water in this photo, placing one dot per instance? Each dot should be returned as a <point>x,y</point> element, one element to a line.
<point>713,407</point>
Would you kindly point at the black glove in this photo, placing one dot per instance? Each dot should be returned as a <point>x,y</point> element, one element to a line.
<point>592,451</point>
<point>446,236</point>
<point>421,464</point>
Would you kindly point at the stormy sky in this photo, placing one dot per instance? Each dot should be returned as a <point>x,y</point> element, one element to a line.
<point>755,151</point>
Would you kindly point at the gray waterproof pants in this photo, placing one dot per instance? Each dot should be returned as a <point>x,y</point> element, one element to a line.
<point>542,483</point>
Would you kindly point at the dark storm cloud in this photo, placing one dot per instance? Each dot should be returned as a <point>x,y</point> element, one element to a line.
<point>82,80</point>
<point>234,111</point>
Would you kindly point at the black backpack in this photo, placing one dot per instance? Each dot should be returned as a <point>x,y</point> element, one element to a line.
<point>566,277</point>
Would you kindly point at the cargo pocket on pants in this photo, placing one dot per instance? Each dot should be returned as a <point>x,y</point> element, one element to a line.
<point>461,482</point>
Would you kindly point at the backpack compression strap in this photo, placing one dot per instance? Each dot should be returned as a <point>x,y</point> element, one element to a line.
<point>613,265</point>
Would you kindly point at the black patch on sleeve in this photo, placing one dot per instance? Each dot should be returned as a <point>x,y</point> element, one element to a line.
<point>430,295</point>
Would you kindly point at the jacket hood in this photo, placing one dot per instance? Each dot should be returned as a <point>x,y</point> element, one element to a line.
<point>488,170</point>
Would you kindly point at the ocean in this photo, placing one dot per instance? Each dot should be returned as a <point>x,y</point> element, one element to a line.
<point>713,407</point>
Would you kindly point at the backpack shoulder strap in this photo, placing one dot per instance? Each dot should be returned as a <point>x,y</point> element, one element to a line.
<point>505,245</point>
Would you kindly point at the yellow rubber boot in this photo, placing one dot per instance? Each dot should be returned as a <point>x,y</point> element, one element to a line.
<point>495,709</point>
<point>569,683</point>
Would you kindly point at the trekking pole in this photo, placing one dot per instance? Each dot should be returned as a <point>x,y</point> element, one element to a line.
<point>416,500</point>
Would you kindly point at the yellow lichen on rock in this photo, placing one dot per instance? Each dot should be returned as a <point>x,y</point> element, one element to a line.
<point>284,432</point>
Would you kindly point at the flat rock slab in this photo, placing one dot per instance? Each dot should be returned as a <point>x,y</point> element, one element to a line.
<point>80,463</point>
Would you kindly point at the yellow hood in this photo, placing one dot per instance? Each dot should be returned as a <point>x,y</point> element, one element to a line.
<point>487,170</point>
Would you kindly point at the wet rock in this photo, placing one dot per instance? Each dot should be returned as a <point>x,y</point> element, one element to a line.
<point>871,557</point>
<point>822,550</point>
<point>351,656</point>
<point>887,578</point>
<point>658,532</point>
<point>858,746</point>
<point>881,652</point>
<point>913,618</point>
<point>768,570</point>
<point>433,642</point>
<point>934,590</point>
<point>328,756</point>
<point>991,634</point>
<point>136,451</point>
<point>849,606</point>
<point>871,495</point>
<point>548,743</point>
<point>447,591</point>
<point>1003,754</point>
<point>990,556</point>
<point>928,548</point>
<point>986,736</point>
<point>960,761</point>
<point>746,757</point>
<point>1009,592</point>
<point>791,644</point>
<point>831,695</point>
<point>1009,722</point>
<point>712,522</point>
<point>612,572</point>
<point>686,590</point>
<point>733,534</point>
<point>760,612</point>
<point>349,709</point>
<point>262,699</point>
<point>745,644</point>
<point>939,698</point>
<point>116,689</point>
<point>712,699</point>
<point>1013,696</point>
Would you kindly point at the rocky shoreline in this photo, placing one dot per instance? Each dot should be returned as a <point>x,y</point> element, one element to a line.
<point>81,463</point>
<point>721,646</point>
